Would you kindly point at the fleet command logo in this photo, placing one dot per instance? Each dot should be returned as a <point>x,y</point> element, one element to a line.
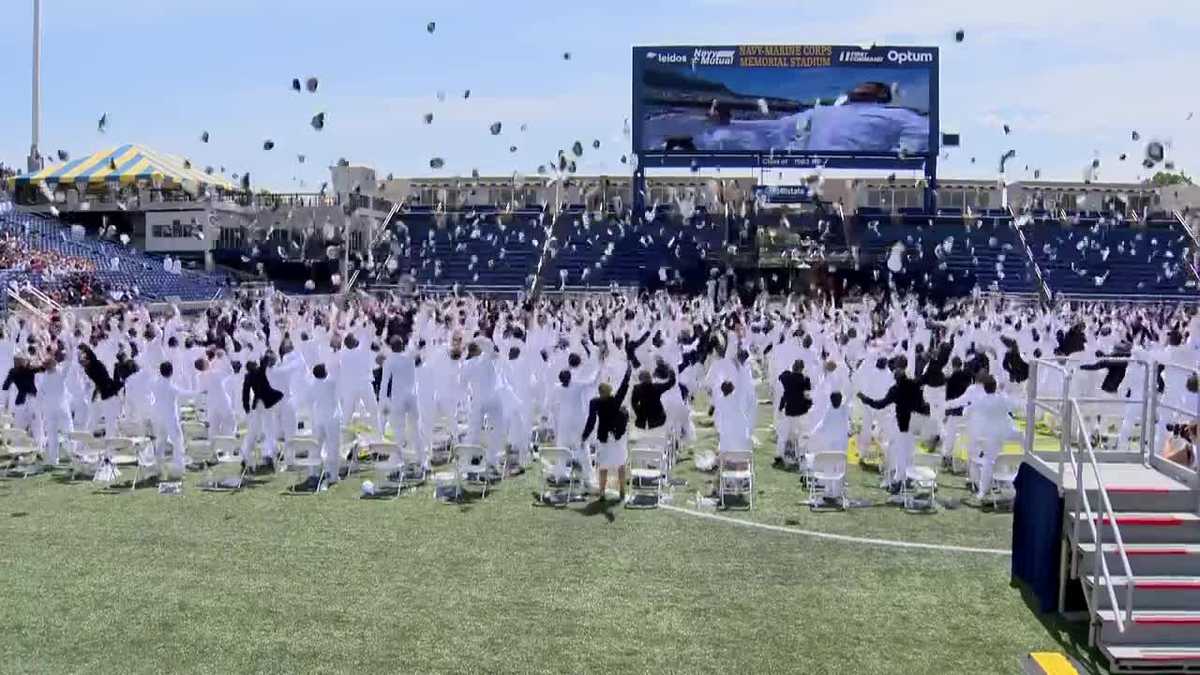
<point>892,56</point>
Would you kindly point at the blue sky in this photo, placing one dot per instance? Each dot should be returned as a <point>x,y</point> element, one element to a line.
<point>1073,79</point>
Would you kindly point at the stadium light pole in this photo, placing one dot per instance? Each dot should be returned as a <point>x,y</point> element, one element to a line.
<point>35,159</point>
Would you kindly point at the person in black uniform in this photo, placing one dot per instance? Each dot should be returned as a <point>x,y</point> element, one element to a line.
<point>648,411</point>
<point>907,398</point>
<point>607,417</point>
<point>21,376</point>
<point>258,400</point>
<point>106,403</point>
<point>795,403</point>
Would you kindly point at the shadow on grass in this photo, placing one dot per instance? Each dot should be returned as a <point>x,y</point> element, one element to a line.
<point>1071,636</point>
<point>598,507</point>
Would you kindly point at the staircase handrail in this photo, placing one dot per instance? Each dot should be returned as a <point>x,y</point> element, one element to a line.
<point>1043,287</point>
<point>1100,560</point>
<point>1195,237</point>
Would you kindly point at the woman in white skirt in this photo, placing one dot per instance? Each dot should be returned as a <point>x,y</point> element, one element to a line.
<point>608,418</point>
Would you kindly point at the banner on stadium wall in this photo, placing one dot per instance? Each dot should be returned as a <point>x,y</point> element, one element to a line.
<point>782,194</point>
<point>785,106</point>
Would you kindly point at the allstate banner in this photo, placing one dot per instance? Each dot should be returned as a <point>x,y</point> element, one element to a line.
<point>782,194</point>
<point>775,103</point>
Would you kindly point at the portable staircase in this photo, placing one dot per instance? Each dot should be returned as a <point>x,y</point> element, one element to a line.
<point>1131,535</point>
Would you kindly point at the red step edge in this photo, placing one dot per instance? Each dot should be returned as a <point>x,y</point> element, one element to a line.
<point>1138,490</point>
<point>1168,585</point>
<point>1167,620</point>
<point>1157,551</point>
<point>1144,520</point>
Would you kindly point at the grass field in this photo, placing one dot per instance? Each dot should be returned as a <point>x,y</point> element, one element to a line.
<point>259,581</point>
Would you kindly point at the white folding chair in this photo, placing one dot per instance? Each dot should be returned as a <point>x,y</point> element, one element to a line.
<point>921,481</point>
<point>303,455</point>
<point>827,479</point>
<point>469,469</point>
<point>87,454</point>
<point>735,476</point>
<point>196,444</point>
<point>647,474</point>
<point>229,463</point>
<point>1004,479</point>
<point>22,450</point>
<point>557,475</point>
<point>388,464</point>
<point>440,449</point>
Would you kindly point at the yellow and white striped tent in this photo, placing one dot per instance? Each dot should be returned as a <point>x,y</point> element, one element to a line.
<point>125,165</point>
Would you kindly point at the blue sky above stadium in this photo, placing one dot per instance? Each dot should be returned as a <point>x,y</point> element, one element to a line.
<point>1072,80</point>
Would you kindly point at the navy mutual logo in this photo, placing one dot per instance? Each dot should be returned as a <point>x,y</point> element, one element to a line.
<point>713,57</point>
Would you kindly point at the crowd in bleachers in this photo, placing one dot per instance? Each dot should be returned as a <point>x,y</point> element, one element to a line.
<point>43,252</point>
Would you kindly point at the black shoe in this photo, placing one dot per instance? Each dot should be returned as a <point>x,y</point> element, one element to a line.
<point>778,461</point>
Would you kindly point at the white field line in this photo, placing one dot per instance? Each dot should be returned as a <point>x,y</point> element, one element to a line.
<point>836,537</point>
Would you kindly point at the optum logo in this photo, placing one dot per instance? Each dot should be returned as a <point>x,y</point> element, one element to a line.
<point>909,57</point>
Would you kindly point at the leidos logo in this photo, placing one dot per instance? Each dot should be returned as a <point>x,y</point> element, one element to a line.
<point>713,57</point>
<point>667,58</point>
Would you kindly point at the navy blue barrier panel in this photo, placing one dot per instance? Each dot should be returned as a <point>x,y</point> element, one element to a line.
<point>1037,536</point>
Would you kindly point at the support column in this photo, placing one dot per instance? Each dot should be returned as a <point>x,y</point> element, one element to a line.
<point>34,163</point>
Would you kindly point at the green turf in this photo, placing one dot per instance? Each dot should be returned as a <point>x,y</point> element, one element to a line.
<point>259,581</point>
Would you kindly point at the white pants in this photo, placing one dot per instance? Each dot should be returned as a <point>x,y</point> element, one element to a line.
<point>984,462</point>
<point>951,430</point>
<point>108,410</point>
<point>261,423</point>
<point>404,417</point>
<point>679,419</point>
<point>901,450</point>
<point>867,432</point>
<point>788,428</point>
<point>166,431</point>
<point>221,422</point>
<point>55,421</point>
<point>519,423</point>
<point>328,432</point>
<point>286,412</point>
<point>568,433</point>
<point>25,416</point>
<point>488,413</point>
<point>363,393</point>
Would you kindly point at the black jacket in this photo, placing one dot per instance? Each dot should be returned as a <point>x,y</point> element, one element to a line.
<point>908,398</point>
<point>1114,373</point>
<point>21,377</point>
<point>956,385</point>
<point>1015,366</point>
<point>796,399</point>
<point>607,415</point>
<point>648,412</point>
<point>106,387</point>
<point>256,388</point>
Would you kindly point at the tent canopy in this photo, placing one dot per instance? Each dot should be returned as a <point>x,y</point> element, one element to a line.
<point>125,165</point>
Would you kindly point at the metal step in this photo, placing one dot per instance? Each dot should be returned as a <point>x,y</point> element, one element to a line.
<point>1143,527</point>
<point>1138,499</point>
<point>1159,628</point>
<point>1150,593</point>
<point>1152,659</point>
<point>1146,559</point>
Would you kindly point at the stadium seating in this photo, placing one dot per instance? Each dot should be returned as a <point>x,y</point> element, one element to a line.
<point>599,252</point>
<point>1094,254</point>
<point>136,270</point>
<point>956,251</point>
